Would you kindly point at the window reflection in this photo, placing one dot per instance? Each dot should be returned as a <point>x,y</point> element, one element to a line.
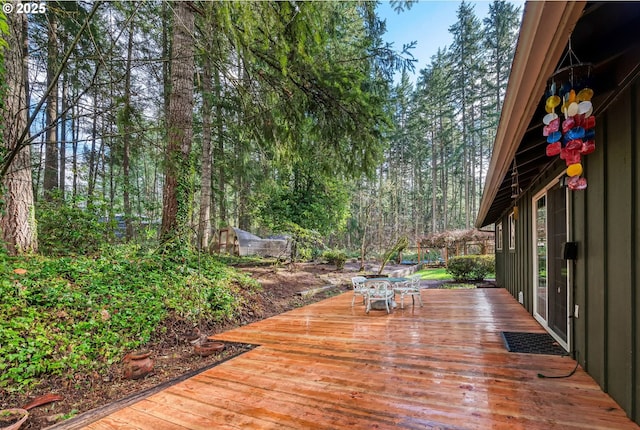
<point>541,247</point>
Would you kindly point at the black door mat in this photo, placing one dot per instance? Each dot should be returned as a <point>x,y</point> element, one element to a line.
<point>532,343</point>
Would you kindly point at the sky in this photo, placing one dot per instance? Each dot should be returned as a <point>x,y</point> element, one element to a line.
<point>427,22</point>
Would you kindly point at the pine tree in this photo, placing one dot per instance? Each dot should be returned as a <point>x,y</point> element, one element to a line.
<point>17,219</point>
<point>500,37</point>
<point>178,187</point>
<point>465,53</point>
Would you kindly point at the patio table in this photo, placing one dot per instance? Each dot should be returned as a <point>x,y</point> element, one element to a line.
<point>393,280</point>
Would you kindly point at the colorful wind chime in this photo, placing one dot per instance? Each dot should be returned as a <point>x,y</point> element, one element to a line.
<point>574,136</point>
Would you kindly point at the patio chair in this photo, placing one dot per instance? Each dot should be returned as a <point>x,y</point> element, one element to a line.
<point>379,290</point>
<point>410,288</point>
<point>359,289</point>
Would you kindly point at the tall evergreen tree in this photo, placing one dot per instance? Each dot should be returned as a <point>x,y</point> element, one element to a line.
<point>500,37</point>
<point>51,172</point>
<point>17,219</point>
<point>297,106</point>
<point>178,188</point>
<point>466,59</point>
<point>435,101</point>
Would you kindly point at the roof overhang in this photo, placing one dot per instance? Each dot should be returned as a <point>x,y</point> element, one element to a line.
<point>604,34</point>
<point>544,32</point>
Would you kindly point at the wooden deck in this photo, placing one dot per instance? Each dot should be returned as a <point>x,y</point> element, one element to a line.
<point>331,366</point>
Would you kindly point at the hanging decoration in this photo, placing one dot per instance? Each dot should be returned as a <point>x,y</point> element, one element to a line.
<point>515,186</point>
<point>569,123</point>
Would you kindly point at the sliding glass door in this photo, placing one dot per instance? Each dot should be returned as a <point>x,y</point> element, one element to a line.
<point>551,290</point>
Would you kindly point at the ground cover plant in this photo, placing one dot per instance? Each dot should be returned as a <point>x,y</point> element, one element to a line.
<point>59,315</point>
<point>260,288</point>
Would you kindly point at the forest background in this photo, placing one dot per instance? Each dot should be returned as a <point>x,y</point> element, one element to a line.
<point>264,116</point>
<point>131,131</point>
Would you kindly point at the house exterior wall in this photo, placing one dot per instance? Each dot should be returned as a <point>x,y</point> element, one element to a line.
<point>606,224</point>
<point>514,268</point>
<point>605,221</point>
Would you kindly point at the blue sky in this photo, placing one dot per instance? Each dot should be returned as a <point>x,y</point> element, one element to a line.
<point>427,22</point>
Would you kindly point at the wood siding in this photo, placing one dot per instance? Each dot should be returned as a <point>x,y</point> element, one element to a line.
<point>605,221</point>
<point>606,277</point>
<point>514,269</point>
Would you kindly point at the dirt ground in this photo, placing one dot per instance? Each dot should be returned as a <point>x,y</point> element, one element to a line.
<point>172,354</point>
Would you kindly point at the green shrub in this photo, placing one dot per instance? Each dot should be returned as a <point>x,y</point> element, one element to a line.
<point>303,241</point>
<point>64,229</point>
<point>335,257</point>
<point>471,267</point>
<point>304,253</point>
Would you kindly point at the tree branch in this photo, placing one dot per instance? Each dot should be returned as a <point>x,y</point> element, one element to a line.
<point>6,163</point>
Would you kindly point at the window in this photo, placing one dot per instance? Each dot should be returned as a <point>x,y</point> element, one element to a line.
<point>499,236</point>
<point>512,231</point>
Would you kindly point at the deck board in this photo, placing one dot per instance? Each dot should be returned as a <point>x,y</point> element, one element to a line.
<point>330,365</point>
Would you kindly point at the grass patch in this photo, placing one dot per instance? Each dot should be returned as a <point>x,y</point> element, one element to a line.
<point>458,286</point>
<point>435,274</point>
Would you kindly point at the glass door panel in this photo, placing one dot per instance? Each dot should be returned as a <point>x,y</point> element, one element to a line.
<point>541,283</point>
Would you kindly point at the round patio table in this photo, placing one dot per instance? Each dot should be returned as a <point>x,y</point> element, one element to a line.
<point>394,280</point>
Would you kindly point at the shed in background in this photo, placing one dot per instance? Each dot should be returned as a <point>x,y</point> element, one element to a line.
<point>234,241</point>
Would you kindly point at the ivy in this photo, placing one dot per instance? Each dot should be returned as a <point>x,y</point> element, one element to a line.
<point>72,313</point>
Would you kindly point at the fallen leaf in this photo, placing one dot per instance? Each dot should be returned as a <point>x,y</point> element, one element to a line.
<point>19,271</point>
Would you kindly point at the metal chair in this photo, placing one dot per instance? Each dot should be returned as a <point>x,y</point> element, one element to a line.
<point>410,288</point>
<point>378,290</point>
<point>359,289</point>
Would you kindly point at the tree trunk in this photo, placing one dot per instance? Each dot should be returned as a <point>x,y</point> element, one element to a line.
<point>204,221</point>
<point>17,220</point>
<point>244,218</point>
<point>434,181</point>
<point>103,163</point>
<point>178,183</point>
<point>363,241</point>
<point>166,50</point>
<point>51,147</point>
<point>112,172</point>
<point>63,138</point>
<point>466,150</point>
<point>220,160</point>
<point>93,167</point>
<point>444,185</point>
<point>242,183</point>
<point>126,139</point>
<point>75,127</point>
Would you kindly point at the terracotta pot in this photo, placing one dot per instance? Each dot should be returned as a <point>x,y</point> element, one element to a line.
<point>12,419</point>
<point>137,365</point>
<point>208,347</point>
